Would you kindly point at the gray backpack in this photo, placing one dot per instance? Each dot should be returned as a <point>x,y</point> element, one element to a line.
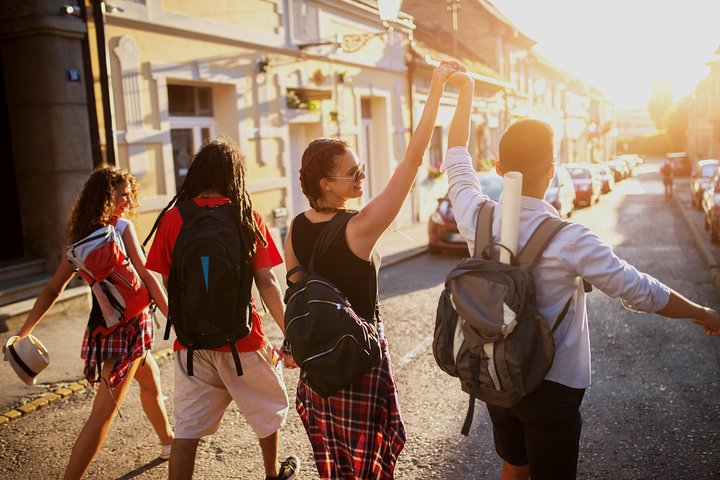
<point>488,330</point>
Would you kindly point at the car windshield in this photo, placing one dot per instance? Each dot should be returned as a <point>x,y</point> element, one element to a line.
<point>708,170</point>
<point>579,173</point>
<point>492,186</point>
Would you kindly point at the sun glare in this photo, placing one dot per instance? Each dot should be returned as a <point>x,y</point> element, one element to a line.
<point>623,46</point>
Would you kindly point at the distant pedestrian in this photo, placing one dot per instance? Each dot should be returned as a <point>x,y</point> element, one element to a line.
<point>107,196</point>
<point>667,172</point>
<point>539,436</point>
<point>358,431</point>
<point>216,181</point>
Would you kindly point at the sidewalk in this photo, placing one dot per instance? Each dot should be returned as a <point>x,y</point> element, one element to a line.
<point>62,335</point>
<point>695,224</point>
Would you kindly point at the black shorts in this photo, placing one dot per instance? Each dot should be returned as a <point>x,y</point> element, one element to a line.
<point>542,431</point>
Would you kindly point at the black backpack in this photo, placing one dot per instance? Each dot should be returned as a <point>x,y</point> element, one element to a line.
<point>330,343</point>
<point>488,330</point>
<point>210,281</point>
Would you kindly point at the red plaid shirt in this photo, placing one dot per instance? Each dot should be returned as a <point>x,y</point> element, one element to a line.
<point>358,432</point>
<point>128,342</point>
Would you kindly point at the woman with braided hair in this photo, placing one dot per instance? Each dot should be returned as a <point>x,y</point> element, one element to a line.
<point>358,431</point>
<point>216,177</point>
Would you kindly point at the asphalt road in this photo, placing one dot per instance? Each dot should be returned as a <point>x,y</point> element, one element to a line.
<point>651,413</point>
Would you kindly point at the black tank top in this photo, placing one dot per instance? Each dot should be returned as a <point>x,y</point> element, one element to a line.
<point>354,276</point>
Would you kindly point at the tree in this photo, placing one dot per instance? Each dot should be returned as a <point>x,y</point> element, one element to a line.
<point>660,102</point>
<point>676,122</point>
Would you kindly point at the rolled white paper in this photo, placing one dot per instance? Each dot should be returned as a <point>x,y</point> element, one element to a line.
<point>512,188</point>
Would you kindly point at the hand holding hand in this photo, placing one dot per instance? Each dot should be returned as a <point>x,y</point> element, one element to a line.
<point>461,79</point>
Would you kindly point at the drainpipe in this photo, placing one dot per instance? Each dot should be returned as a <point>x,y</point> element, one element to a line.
<point>99,20</point>
<point>90,92</point>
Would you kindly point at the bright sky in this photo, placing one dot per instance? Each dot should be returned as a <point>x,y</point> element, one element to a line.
<point>623,46</point>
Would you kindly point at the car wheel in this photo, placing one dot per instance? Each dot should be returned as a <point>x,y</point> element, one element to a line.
<point>434,250</point>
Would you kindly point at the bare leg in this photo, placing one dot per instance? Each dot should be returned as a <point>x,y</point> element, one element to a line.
<point>511,472</point>
<point>151,397</point>
<point>96,427</point>
<point>182,458</point>
<point>269,447</point>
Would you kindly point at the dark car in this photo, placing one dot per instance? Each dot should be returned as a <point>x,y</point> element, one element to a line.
<point>587,184</point>
<point>711,207</point>
<point>704,170</point>
<point>442,229</point>
<point>681,163</point>
<point>561,193</point>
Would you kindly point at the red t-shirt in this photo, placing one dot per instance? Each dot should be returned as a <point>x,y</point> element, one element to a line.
<point>160,257</point>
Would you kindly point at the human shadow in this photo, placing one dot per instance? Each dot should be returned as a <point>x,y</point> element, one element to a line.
<point>142,469</point>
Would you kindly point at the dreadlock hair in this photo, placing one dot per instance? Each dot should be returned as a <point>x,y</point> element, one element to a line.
<point>220,166</point>
<point>94,205</point>
<point>319,161</point>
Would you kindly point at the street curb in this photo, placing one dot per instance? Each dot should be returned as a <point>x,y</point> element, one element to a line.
<point>55,393</point>
<point>402,256</point>
<point>701,244</point>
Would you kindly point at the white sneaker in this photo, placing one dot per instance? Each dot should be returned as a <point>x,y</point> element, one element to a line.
<point>165,451</point>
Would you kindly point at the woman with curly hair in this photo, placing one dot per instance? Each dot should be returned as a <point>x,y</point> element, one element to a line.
<point>107,196</point>
<point>357,432</point>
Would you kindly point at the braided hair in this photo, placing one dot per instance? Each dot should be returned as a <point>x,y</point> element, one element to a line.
<point>319,161</point>
<point>220,166</point>
<point>94,205</point>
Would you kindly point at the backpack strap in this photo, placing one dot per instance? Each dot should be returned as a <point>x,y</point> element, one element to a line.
<point>157,222</point>
<point>538,241</point>
<point>484,224</point>
<point>336,225</point>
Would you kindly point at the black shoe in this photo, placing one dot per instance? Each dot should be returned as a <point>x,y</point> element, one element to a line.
<point>289,468</point>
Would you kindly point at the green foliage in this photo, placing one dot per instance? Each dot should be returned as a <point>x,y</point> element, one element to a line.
<point>653,144</point>
<point>676,122</point>
<point>660,102</point>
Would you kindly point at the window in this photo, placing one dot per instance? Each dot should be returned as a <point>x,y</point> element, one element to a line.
<point>189,101</point>
<point>191,124</point>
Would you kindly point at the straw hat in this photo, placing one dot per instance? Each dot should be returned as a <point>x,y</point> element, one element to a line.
<point>27,356</point>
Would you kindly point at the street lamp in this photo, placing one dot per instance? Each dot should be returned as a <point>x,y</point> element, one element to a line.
<point>388,11</point>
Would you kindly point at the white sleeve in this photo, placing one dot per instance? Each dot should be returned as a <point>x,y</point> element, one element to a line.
<point>464,191</point>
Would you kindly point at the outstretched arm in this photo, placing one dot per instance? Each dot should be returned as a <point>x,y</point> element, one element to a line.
<point>365,228</point>
<point>680,307</point>
<point>459,133</point>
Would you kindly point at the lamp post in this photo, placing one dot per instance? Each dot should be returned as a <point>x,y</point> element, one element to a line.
<point>388,11</point>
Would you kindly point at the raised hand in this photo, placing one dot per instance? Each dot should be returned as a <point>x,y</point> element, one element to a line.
<point>443,72</point>
<point>460,79</point>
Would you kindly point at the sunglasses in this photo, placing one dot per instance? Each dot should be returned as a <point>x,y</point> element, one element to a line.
<point>356,176</point>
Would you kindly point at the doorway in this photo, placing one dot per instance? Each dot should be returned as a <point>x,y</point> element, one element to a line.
<point>13,241</point>
<point>301,134</point>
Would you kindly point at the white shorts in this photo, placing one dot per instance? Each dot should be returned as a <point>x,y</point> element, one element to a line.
<point>200,401</point>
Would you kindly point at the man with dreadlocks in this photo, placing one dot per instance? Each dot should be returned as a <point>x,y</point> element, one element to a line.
<point>216,177</point>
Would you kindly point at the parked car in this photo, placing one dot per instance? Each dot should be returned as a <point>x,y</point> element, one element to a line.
<point>606,176</point>
<point>711,207</point>
<point>619,169</point>
<point>681,163</point>
<point>442,229</point>
<point>587,184</point>
<point>704,170</point>
<point>561,193</point>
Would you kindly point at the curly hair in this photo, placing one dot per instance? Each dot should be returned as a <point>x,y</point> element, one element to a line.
<point>219,166</point>
<point>319,161</point>
<point>94,205</point>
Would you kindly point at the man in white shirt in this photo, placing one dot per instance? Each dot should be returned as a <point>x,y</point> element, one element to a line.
<point>539,436</point>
